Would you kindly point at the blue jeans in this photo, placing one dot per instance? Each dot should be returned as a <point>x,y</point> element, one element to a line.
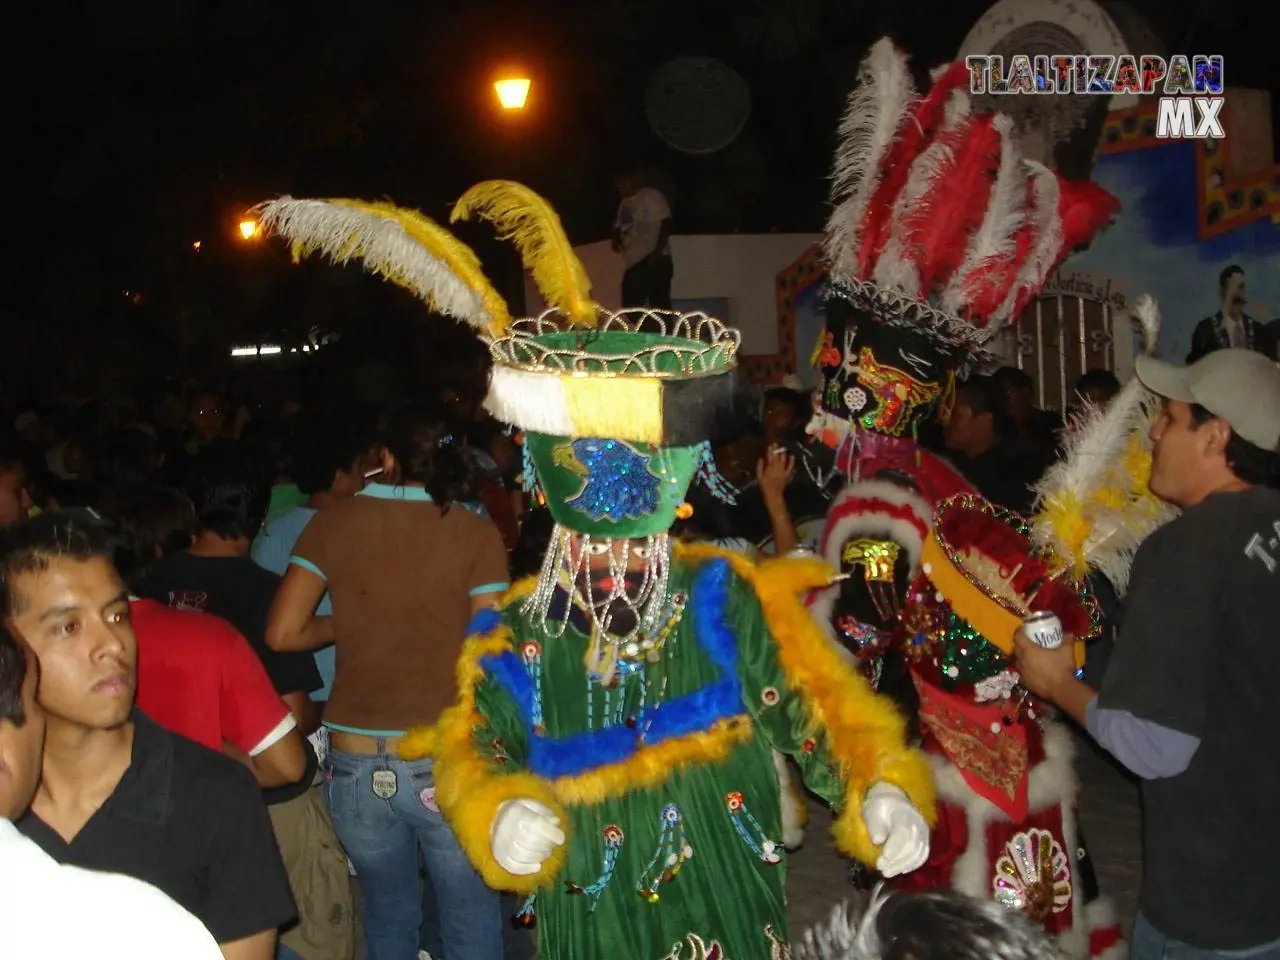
<point>383,836</point>
<point>1148,943</point>
<point>517,942</point>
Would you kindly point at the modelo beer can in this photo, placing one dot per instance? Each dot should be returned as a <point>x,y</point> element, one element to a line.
<point>1044,629</point>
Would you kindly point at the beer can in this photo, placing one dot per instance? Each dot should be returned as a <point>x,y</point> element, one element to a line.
<point>1044,629</point>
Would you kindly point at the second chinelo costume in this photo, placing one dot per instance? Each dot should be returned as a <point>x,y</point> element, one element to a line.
<point>941,234</point>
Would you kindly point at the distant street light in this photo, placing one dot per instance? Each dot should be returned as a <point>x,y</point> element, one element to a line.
<point>248,229</point>
<point>513,92</point>
<point>196,246</point>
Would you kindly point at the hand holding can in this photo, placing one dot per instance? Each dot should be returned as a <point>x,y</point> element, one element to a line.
<point>1044,629</point>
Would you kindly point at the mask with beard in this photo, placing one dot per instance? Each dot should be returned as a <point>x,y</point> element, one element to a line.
<point>614,604</point>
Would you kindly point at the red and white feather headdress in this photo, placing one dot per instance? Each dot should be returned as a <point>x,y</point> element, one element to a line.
<point>939,222</point>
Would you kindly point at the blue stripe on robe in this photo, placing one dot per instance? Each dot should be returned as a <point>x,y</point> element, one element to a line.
<point>554,757</point>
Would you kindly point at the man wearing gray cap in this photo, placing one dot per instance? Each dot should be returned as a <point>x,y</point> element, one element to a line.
<point>1189,699</point>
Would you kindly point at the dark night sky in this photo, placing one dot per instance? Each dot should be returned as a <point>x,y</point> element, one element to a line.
<point>146,125</point>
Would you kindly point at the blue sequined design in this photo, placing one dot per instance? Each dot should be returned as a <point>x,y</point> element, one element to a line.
<point>619,484</point>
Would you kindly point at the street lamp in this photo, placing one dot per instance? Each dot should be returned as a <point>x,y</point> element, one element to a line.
<point>513,92</point>
<point>248,229</point>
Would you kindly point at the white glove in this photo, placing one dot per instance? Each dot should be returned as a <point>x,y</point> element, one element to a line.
<point>523,836</point>
<point>897,827</point>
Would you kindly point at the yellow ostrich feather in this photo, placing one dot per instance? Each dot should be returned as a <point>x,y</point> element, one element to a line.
<point>1065,516</point>
<point>1112,497</point>
<point>1137,464</point>
<point>528,220</point>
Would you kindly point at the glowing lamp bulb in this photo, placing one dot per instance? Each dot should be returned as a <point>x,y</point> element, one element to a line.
<point>513,93</point>
<point>248,229</point>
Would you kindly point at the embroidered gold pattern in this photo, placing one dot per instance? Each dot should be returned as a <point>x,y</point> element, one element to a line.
<point>992,757</point>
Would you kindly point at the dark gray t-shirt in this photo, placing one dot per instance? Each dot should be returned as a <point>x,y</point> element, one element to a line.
<point>1198,652</point>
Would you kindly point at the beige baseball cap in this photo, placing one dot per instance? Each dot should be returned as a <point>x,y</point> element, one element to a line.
<point>1241,387</point>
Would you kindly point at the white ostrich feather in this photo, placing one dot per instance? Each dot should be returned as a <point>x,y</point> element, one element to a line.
<point>1147,312</point>
<point>1047,243</point>
<point>893,271</point>
<point>850,934</point>
<point>1096,447</point>
<point>872,116</point>
<point>926,925</point>
<point>345,233</point>
<point>1005,214</point>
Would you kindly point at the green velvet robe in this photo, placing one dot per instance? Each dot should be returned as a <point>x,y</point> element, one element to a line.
<point>674,839</point>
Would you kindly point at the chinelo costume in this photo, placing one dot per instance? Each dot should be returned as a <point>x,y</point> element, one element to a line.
<point>627,700</point>
<point>941,234</point>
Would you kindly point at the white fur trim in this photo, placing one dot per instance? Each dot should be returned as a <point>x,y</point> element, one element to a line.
<point>1052,783</point>
<point>793,813</point>
<point>1098,915</point>
<point>531,401</point>
<point>837,532</point>
<point>909,536</point>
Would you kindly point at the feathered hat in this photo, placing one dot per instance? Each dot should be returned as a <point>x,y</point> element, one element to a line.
<point>941,233</point>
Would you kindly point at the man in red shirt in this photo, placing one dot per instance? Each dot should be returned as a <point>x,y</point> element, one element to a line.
<point>199,678</point>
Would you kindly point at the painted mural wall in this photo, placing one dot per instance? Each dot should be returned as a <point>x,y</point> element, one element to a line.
<point>1188,210</point>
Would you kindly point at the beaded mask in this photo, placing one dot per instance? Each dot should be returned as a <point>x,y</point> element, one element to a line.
<point>876,377</point>
<point>979,578</point>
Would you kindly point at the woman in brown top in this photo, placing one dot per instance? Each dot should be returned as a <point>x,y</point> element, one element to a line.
<point>406,566</point>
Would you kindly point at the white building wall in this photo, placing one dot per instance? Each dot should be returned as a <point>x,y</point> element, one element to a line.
<point>741,269</point>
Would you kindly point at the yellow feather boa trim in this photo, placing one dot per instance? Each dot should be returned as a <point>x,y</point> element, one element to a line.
<point>866,733</point>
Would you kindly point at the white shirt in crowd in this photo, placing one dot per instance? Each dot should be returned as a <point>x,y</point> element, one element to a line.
<point>639,223</point>
<point>49,911</point>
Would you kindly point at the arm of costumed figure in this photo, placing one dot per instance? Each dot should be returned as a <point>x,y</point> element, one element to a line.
<point>844,736</point>
<point>479,747</point>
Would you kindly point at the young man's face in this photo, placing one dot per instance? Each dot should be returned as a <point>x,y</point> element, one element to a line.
<point>349,482</point>
<point>207,416</point>
<point>1180,448</point>
<point>959,427</point>
<point>21,748</point>
<point>75,616</point>
<point>778,419</point>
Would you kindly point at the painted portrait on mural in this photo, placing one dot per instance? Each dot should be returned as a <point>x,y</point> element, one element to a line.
<point>1187,215</point>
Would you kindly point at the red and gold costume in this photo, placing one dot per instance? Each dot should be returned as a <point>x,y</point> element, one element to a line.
<point>941,234</point>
